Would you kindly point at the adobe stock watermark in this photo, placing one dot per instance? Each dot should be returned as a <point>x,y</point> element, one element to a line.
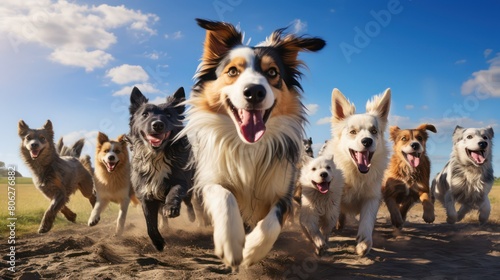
<point>303,271</point>
<point>363,36</point>
<point>223,6</point>
<point>29,29</point>
<point>12,219</point>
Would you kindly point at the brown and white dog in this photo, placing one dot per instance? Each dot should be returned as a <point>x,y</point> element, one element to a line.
<point>406,180</point>
<point>245,125</point>
<point>112,179</point>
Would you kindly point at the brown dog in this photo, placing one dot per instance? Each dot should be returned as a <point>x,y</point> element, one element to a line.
<point>406,179</point>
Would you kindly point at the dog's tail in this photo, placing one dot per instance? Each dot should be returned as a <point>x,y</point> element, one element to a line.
<point>87,164</point>
<point>74,151</point>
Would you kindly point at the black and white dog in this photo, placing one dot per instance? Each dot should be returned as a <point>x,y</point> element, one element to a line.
<point>159,175</point>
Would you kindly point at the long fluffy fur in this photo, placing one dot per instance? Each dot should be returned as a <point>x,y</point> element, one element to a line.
<point>464,182</point>
<point>57,177</point>
<point>245,186</point>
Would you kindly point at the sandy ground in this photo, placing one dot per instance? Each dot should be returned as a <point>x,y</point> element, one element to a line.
<point>420,251</point>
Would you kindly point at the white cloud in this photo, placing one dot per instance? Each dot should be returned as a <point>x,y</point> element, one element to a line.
<point>312,109</point>
<point>485,82</point>
<point>90,140</point>
<point>126,73</point>
<point>298,26</point>
<point>78,35</point>
<point>174,36</point>
<point>144,88</point>
<point>409,107</point>
<point>325,120</point>
<point>461,61</point>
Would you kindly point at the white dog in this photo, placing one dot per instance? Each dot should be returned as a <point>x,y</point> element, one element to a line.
<point>467,178</point>
<point>322,185</point>
<point>360,151</point>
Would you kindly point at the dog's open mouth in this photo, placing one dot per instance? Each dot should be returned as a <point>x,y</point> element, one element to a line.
<point>35,153</point>
<point>111,165</point>
<point>413,159</point>
<point>156,140</point>
<point>323,187</point>
<point>362,160</point>
<point>252,123</point>
<point>477,157</point>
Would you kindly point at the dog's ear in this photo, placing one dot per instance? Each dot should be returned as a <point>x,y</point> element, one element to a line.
<point>219,39</point>
<point>427,126</point>
<point>341,107</point>
<point>60,146</point>
<point>122,139</point>
<point>48,126</point>
<point>136,100</point>
<point>290,45</point>
<point>101,138</point>
<point>310,140</point>
<point>490,132</point>
<point>393,132</point>
<point>76,149</point>
<point>458,133</point>
<point>380,105</point>
<point>22,128</point>
<point>177,101</point>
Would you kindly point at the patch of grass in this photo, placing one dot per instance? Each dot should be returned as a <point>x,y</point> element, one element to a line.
<point>19,180</point>
<point>31,205</point>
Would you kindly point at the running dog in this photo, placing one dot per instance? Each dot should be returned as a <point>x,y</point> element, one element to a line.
<point>159,175</point>
<point>407,178</point>
<point>322,185</point>
<point>56,176</point>
<point>112,179</point>
<point>246,127</point>
<point>359,149</point>
<point>468,177</point>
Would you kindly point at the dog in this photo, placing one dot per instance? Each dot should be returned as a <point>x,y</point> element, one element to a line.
<point>308,147</point>
<point>407,178</point>
<point>56,176</point>
<point>159,177</point>
<point>359,149</point>
<point>245,124</point>
<point>322,183</point>
<point>112,179</point>
<point>467,177</point>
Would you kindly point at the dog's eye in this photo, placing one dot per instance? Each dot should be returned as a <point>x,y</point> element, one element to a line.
<point>328,167</point>
<point>117,151</point>
<point>232,72</point>
<point>353,132</point>
<point>28,138</point>
<point>42,138</point>
<point>145,114</point>
<point>404,139</point>
<point>419,138</point>
<point>374,131</point>
<point>106,151</point>
<point>272,73</point>
<point>314,169</point>
<point>469,137</point>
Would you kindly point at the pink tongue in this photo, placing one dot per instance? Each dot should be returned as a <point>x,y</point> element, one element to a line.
<point>34,153</point>
<point>413,160</point>
<point>157,139</point>
<point>252,125</point>
<point>111,166</point>
<point>362,161</point>
<point>477,156</point>
<point>323,187</point>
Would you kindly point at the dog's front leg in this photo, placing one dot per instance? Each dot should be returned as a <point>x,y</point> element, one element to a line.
<point>173,200</point>
<point>484,210</point>
<point>150,209</point>
<point>122,216</point>
<point>428,207</point>
<point>309,221</point>
<point>261,239</point>
<point>449,204</point>
<point>229,233</point>
<point>58,202</point>
<point>367,218</point>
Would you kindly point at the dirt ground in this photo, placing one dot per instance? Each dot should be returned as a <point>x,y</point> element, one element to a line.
<point>420,251</point>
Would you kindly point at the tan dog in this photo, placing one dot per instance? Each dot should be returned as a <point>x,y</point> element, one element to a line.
<point>112,179</point>
<point>406,179</point>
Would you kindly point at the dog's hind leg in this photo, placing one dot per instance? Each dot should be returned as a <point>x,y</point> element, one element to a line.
<point>309,223</point>
<point>189,206</point>
<point>428,207</point>
<point>449,204</point>
<point>122,215</point>
<point>58,201</point>
<point>86,187</point>
<point>261,239</point>
<point>150,209</point>
<point>229,233</point>
<point>95,216</point>
<point>394,210</point>
<point>70,215</point>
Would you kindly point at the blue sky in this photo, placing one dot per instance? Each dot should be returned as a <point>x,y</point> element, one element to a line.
<point>75,62</point>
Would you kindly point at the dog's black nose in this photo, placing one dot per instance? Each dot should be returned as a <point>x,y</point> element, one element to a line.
<point>323,175</point>
<point>34,145</point>
<point>367,142</point>
<point>158,126</point>
<point>254,93</point>
<point>483,145</point>
<point>415,146</point>
<point>111,158</point>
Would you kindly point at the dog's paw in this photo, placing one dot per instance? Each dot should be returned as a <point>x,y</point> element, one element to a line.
<point>230,254</point>
<point>451,219</point>
<point>93,222</point>
<point>71,217</point>
<point>397,222</point>
<point>363,247</point>
<point>44,229</point>
<point>159,243</point>
<point>171,211</point>
<point>429,217</point>
<point>320,251</point>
